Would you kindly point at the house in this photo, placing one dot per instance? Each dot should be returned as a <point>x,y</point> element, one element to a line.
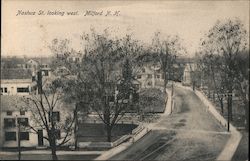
<point>75,57</point>
<point>17,81</point>
<point>187,75</point>
<point>10,116</point>
<point>150,77</point>
<point>14,110</point>
<point>32,65</point>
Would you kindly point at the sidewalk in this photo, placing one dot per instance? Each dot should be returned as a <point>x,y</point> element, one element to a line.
<point>58,152</point>
<point>235,137</point>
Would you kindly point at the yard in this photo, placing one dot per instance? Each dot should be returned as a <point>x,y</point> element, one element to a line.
<point>152,100</point>
<point>91,132</point>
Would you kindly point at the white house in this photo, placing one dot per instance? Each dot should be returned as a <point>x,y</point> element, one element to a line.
<point>150,77</point>
<point>17,81</point>
<point>187,77</point>
<point>14,110</point>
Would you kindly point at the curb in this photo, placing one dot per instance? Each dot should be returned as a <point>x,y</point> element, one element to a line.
<point>112,152</point>
<point>58,152</point>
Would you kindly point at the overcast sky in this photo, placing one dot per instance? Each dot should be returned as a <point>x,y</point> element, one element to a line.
<point>31,35</point>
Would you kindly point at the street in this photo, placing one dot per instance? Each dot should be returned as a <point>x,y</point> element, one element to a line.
<point>189,133</point>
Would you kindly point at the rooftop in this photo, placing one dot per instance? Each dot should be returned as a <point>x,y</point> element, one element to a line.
<point>16,73</point>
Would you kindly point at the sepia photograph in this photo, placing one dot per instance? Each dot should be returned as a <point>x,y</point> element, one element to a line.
<point>124,80</point>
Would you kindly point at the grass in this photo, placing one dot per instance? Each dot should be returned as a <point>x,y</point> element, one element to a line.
<point>242,150</point>
<point>89,132</point>
<point>152,100</point>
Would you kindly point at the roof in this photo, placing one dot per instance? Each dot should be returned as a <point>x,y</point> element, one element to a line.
<point>42,60</point>
<point>11,103</point>
<point>17,102</point>
<point>16,73</point>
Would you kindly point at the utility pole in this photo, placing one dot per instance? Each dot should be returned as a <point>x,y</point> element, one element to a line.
<point>19,140</point>
<point>228,109</point>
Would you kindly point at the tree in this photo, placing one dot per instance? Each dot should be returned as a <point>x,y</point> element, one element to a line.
<point>212,67</point>
<point>76,88</point>
<point>165,51</point>
<point>44,107</point>
<point>242,81</point>
<point>108,66</point>
<point>227,39</point>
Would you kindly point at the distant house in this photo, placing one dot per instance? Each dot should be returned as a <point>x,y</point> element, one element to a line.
<point>187,75</point>
<point>32,65</point>
<point>75,57</point>
<point>17,81</point>
<point>13,111</point>
<point>150,77</point>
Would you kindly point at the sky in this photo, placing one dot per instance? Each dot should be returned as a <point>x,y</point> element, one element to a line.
<point>31,35</point>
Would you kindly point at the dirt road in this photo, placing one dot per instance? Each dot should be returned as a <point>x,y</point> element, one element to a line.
<point>189,133</point>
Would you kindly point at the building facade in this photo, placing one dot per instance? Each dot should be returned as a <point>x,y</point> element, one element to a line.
<point>150,77</point>
<point>17,82</point>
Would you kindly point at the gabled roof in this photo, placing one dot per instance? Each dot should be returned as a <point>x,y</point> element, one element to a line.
<point>16,73</point>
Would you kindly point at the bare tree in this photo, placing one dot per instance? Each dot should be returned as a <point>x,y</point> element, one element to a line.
<point>165,51</point>
<point>227,39</point>
<point>108,67</point>
<point>44,107</point>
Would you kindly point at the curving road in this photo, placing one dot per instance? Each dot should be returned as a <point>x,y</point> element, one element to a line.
<point>189,133</point>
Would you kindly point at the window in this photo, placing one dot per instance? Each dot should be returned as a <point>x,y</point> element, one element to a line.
<point>9,122</point>
<point>9,113</point>
<point>10,136</point>
<point>1,90</point>
<point>58,134</point>
<point>143,70</point>
<point>138,76</point>
<point>22,90</point>
<point>5,90</point>
<point>55,116</point>
<point>70,59</point>
<point>45,72</point>
<point>23,121</point>
<point>22,112</point>
<point>149,83</point>
<point>158,76</point>
<point>149,75</point>
<point>24,136</point>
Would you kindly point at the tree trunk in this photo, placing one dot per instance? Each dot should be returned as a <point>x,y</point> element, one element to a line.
<point>54,156</point>
<point>229,104</point>
<point>209,93</point>
<point>53,148</point>
<point>108,133</point>
<point>76,127</point>
<point>221,105</point>
<point>247,115</point>
<point>165,80</point>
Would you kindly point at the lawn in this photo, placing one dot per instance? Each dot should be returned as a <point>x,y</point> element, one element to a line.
<point>152,100</point>
<point>90,132</point>
<point>242,152</point>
